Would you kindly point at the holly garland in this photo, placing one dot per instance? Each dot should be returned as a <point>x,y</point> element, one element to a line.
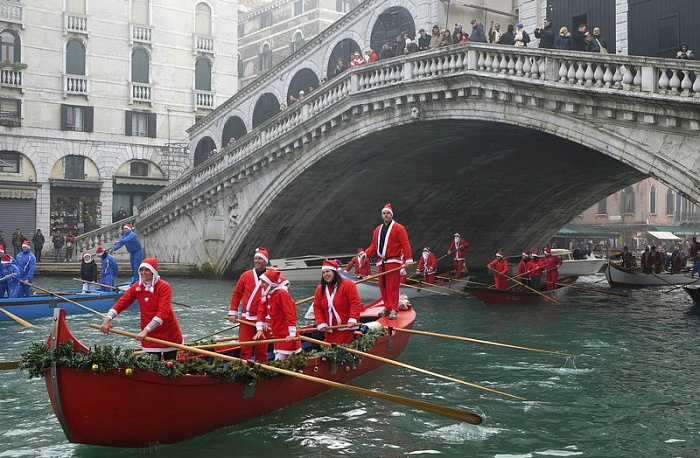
<point>102,358</point>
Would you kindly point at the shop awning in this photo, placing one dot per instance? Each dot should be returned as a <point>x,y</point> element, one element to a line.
<point>679,230</point>
<point>141,181</point>
<point>663,235</point>
<point>576,231</point>
<point>76,183</point>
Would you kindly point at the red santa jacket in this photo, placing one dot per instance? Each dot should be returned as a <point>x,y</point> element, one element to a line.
<point>361,264</point>
<point>248,288</point>
<point>278,308</point>
<point>458,249</point>
<point>337,306</point>
<point>395,245</point>
<point>522,268</point>
<point>500,266</point>
<point>428,266</point>
<point>552,263</point>
<point>535,266</point>
<point>155,304</point>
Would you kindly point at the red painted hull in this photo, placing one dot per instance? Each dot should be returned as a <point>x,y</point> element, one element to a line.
<point>490,296</point>
<point>112,409</point>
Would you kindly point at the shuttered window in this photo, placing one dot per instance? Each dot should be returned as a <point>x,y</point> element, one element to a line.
<point>140,124</point>
<point>77,118</point>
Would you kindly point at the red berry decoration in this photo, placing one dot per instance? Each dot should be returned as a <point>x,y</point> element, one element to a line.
<point>169,364</point>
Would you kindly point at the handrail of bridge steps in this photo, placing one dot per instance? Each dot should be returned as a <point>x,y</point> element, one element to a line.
<point>104,236</point>
<point>663,78</point>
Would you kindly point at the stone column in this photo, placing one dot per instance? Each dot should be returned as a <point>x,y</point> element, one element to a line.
<point>621,43</point>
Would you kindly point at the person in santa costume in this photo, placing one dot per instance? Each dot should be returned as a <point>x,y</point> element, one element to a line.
<point>248,290</point>
<point>133,246</point>
<point>551,266</point>
<point>26,261</point>
<point>9,277</point>
<point>363,268</point>
<point>88,272</point>
<point>158,319</point>
<point>458,247</point>
<point>523,272</point>
<point>427,265</point>
<point>278,313</point>
<point>389,244</point>
<point>357,60</point>
<point>336,301</point>
<point>535,267</point>
<point>499,266</point>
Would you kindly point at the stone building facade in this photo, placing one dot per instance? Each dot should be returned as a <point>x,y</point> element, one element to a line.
<point>95,98</point>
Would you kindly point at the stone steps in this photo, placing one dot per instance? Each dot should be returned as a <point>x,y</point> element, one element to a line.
<point>166,269</point>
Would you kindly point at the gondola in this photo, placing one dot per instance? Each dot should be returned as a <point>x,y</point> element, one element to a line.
<point>369,291</point>
<point>618,276</point>
<point>694,293</point>
<point>518,295</point>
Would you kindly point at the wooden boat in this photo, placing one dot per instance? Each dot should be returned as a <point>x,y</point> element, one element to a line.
<point>570,267</point>
<point>369,290</point>
<point>306,268</point>
<point>518,295</point>
<point>617,276</point>
<point>43,305</point>
<point>143,409</point>
<point>694,293</point>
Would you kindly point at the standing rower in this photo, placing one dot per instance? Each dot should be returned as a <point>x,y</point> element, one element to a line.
<point>523,270</point>
<point>110,269</point>
<point>336,301</point>
<point>133,246</point>
<point>9,278</point>
<point>278,314</point>
<point>389,243</point>
<point>458,247</point>
<point>249,291</point>
<point>535,267</point>
<point>26,263</point>
<point>157,316</point>
<point>427,265</point>
<point>551,264</point>
<point>499,266</point>
<point>362,265</point>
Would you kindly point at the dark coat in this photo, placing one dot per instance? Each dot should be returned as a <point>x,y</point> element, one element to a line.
<point>561,42</point>
<point>507,38</point>
<point>58,241</point>
<point>424,41</point>
<point>595,44</point>
<point>38,240</point>
<point>578,41</point>
<point>88,271</point>
<point>546,36</point>
<point>386,54</point>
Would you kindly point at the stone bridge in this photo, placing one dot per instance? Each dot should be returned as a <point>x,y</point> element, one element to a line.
<point>504,144</point>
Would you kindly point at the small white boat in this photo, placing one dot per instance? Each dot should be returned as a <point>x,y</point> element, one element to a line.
<point>570,267</point>
<point>617,276</point>
<point>306,268</point>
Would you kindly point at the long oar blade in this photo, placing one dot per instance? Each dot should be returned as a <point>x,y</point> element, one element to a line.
<point>449,412</point>
<point>19,320</point>
<point>9,365</point>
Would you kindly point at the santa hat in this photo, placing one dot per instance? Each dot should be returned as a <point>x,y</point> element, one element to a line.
<point>426,248</point>
<point>87,256</point>
<point>547,251</point>
<point>26,243</point>
<point>526,254</point>
<point>262,253</point>
<point>150,264</point>
<point>388,207</point>
<point>360,250</point>
<point>271,277</point>
<point>100,250</point>
<point>536,252</point>
<point>129,226</point>
<point>457,234</point>
<point>329,265</point>
<point>499,254</point>
<point>6,259</point>
<point>2,248</point>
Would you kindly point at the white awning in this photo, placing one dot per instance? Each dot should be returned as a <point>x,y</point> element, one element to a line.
<point>663,235</point>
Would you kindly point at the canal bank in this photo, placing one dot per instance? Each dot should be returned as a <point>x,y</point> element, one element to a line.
<point>72,269</point>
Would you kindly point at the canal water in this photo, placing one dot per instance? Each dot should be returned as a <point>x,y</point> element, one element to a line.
<point>632,390</point>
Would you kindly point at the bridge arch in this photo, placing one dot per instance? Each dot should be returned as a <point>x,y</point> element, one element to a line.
<point>266,107</point>
<point>233,129</point>
<point>302,80</point>
<point>344,49</point>
<point>389,24</point>
<point>404,4</point>
<point>204,148</point>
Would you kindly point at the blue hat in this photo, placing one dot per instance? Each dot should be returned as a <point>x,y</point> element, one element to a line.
<point>520,24</point>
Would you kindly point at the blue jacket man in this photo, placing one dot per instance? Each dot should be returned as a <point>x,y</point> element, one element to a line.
<point>110,269</point>
<point>25,262</point>
<point>133,246</point>
<point>9,286</point>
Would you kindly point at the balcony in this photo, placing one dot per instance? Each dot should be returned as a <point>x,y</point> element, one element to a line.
<point>203,44</point>
<point>12,11</point>
<point>203,100</point>
<point>11,78</point>
<point>75,23</point>
<point>141,34</point>
<point>76,85</point>
<point>140,92</point>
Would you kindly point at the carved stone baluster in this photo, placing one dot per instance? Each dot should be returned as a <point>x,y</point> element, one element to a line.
<point>503,64</point>
<point>496,64</point>
<point>637,81</point>
<point>527,66</point>
<point>488,62</point>
<point>663,81</point>
<point>459,65</point>
<point>511,64</point>
<point>675,82</point>
<point>696,85</point>
<point>535,70</point>
<point>617,77</point>
<point>433,67</point>
<point>598,75</point>
<point>519,65</point>
<point>686,84</point>
<point>580,74</point>
<point>571,74</point>
<point>543,68</point>
<point>563,71</point>
<point>481,63</point>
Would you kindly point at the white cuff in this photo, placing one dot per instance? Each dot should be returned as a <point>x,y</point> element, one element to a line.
<point>321,326</point>
<point>155,322</point>
<point>409,261</point>
<point>233,313</point>
<point>292,330</point>
<point>352,321</point>
<point>112,314</point>
<point>259,325</point>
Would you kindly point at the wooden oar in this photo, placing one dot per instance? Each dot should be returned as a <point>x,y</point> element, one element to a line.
<point>67,300</point>
<point>662,279</point>
<point>469,339</point>
<point>7,277</point>
<point>417,288</point>
<point>449,412</point>
<point>531,289</point>
<point>230,345</point>
<point>682,286</point>
<point>362,280</point>
<point>431,285</point>
<point>19,320</point>
<point>216,333</point>
<point>116,288</point>
<point>462,280</point>
<point>593,290</point>
<point>9,365</point>
<point>311,329</point>
<point>408,366</point>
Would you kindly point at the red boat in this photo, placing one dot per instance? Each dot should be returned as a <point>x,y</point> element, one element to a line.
<point>519,296</point>
<point>144,409</point>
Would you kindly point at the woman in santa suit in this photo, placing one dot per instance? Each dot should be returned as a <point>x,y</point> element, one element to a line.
<point>336,302</point>
<point>157,317</point>
<point>278,312</point>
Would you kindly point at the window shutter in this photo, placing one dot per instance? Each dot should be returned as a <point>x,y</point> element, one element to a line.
<point>127,129</point>
<point>64,116</point>
<point>89,117</point>
<point>152,125</point>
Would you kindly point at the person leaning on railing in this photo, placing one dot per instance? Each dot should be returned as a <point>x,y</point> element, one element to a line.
<point>684,52</point>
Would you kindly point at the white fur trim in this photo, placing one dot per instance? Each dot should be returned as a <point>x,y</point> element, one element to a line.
<point>261,256</point>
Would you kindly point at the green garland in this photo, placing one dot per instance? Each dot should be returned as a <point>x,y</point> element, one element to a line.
<point>39,357</point>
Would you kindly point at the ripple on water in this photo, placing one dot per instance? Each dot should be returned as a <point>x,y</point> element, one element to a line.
<point>461,433</point>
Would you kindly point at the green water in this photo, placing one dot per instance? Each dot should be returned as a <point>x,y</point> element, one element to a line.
<point>631,391</point>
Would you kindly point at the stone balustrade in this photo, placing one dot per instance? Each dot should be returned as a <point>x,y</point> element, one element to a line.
<point>106,236</point>
<point>12,11</point>
<point>141,92</point>
<point>76,84</point>
<point>10,78</point>
<point>141,34</point>
<point>75,23</point>
<point>204,44</point>
<point>204,99</point>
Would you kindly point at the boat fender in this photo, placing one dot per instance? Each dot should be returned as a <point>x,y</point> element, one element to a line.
<point>371,326</point>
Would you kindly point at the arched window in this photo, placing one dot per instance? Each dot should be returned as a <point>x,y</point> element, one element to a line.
<point>76,6</point>
<point>234,129</point>
<point>298,7</point>
<point>241,67</point>
<point>139,12</point>
<point>202,19</point>
<point>652,200</point>
<point>392,22</point>
<point>75,58</point>
<point>10,51</point>
<point>204,150</point>
<point>303,80</point>
<point>669,202</point>
<point>297,42</point>
<point>265,58</point>
<point>627,200</point>
<point>266,107</point>
<point>343,50</point>
<point>140,66</point>
<point>202,75</point>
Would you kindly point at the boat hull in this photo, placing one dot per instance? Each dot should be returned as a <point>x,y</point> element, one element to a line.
<point>694,293</point>
<point>616,276</point>
<point>43,305</point>
<point>491,296</point>
<point>570,267</point>
<point>306,268</point>
<point>144,409</point>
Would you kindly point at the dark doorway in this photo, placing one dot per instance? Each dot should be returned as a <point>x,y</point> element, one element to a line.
<point>389,25</point>
<point>593,13</point>
<point>658,27</point>
<point>266,107</point>
<point>233,129</point>
<point>302,81</point>
<point>204,149</point>
<point>343,50</point>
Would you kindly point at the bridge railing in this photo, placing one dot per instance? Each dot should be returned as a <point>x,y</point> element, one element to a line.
<point>665,78</point>
<point>105,236</point>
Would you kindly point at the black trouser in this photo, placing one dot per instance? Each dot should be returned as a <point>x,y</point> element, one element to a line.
<point>535,282</point>
<point>164,355</point>
<point>37,253</point>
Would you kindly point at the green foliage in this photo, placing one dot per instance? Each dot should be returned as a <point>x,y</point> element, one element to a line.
<point>207,270</point>
<point>17,66</point>
<point>338,354</point>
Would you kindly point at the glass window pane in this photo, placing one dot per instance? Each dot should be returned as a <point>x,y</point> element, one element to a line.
<point>139,124</point>
<point>75,58</point>
<point>203,19</point>
<point>76,6</point>
<point>139,12</point>
<point>75,167</point>
<point>11,161</point>
<point>8,47</point>
<point>202,75</point>
<point>139,66</point>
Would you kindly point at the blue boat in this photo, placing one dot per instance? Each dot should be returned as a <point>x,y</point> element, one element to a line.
<point>43,305</point>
